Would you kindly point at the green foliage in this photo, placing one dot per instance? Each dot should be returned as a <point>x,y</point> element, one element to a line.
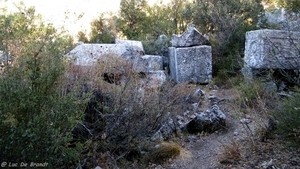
<point>101,31</point>
<point>253,93</point>
<point>157,46</point>
<point>288,117</point>
<point>82,37</point>
<point>132,22</point>
<point>290,5</point>
<point>36,116</point>
<point>226,22</point>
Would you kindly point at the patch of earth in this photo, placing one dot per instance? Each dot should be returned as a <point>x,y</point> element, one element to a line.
<point>207,151</point>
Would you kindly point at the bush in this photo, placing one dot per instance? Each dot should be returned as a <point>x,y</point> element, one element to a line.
<point>36,115</point>
<point>253,92</point>
<point>288,117</point>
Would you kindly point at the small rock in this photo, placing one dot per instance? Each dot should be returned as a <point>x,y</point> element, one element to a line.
<point>195,106</point>
<point>192,116</point>
<point>179,118</point>
<point>235,133</point>
<point>98,167</point>
<point>186,113</point>
<point>267,164</point>
<point>199,93</point>
<point>191,139</point>
<point>245,121</point>
<point>210,121</point>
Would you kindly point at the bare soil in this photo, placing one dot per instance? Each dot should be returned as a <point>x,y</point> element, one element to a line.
<point>239,145</point>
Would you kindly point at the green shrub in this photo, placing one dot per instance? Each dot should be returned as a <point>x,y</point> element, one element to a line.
<point>288,117</point>
<point>36,115</point>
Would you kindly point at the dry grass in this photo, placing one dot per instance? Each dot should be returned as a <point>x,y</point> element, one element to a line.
<point>230,152</point>
<point>164,151</point>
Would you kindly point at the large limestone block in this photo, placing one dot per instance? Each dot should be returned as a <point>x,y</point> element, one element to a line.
<point>153,79</point>
<point>191,37</point>
<point>272,49</point>
<point>88,54</point>
<point>137,45</point>
<point>148,63</point>
<point>191,64</point>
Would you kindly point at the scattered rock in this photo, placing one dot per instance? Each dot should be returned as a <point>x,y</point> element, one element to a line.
<point>166,131</point>
<point>267,164</point>
<point>208,121</point>
<point>191,139</point>
<point>245,121</point>
<point>199,93</point>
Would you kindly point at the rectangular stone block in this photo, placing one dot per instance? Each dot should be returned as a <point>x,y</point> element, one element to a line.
<point>137,45</point>
<point>88,54</point>
<point>191,64</point>
<point>272,49</point>
<point>148,63</point>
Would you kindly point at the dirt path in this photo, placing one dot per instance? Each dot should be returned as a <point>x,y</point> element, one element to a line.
<point>203,151</point>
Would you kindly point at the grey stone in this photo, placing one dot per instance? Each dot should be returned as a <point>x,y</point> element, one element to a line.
<point>154,79</point>
<point>291,26</point>
<point>208,121</point>
<point>191,139</point>
<point>191,37</point>
<point>148,63</point>
<point>191,64</point>
<point>272,49</point>
<point>245,121</point>
<point>270,87</point>
<point>137,45</point>
<point>199,93</point>
<point>88,54</point>
<point>166,131</point>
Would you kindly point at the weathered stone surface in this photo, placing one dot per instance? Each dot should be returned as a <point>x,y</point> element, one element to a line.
<point>191,37</point>
<point>154,79</point>
<point>208,121</point>
<point>291,26</point>
<point>137,45</point>
<point>191,64</point>
<point>166,130</point>
<point>272,49</point>
<point>88,54</point>
<point>148,63</point>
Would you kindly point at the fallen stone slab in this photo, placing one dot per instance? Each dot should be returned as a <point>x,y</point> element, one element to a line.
<point>191,64</point>
<point>191,37</point>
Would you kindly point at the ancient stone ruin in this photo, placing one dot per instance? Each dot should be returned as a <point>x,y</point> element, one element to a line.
<point>271,49</point>
<point>130,51</point>
<point>190,57</point>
